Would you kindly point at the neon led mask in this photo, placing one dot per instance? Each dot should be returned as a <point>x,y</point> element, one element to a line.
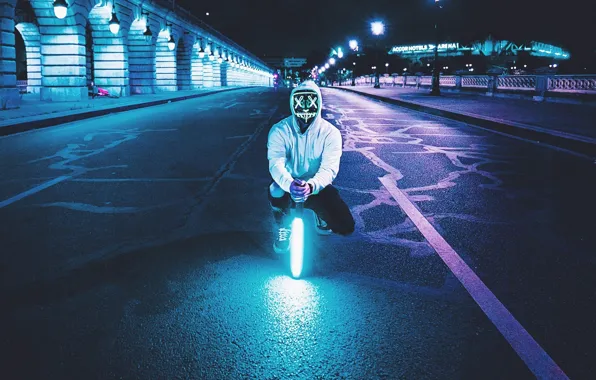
<point>305,106</point>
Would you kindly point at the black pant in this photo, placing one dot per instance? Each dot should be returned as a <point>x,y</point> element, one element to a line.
<point>328,205</point>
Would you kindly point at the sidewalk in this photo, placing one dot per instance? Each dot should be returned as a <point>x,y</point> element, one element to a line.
<point>569,126</point>
<point>34,113</point>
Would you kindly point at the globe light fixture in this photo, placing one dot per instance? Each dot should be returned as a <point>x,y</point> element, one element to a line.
<point>114,22</point>
<point>377,28</point>
<point>332,61</point>
<point>326,65</point>
<point>171,43</point>
<point>340,53</point>
<point>60,8</point>
<point>201,50</point>
<point>353,44</point>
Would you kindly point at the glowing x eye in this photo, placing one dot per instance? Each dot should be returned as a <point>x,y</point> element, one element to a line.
<point>313,101</point>
<point>299,102</point>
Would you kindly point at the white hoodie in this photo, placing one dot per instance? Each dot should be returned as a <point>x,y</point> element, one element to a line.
<point>313,156</point>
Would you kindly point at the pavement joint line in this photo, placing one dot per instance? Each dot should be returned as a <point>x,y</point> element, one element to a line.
<point>567,142</point>
<point>526,347</point>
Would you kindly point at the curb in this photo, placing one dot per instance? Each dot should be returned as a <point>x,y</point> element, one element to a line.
<point>25,126</point>
<point>577,144</point>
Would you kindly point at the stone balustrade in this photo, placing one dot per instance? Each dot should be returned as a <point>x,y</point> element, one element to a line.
<point>537,86</point>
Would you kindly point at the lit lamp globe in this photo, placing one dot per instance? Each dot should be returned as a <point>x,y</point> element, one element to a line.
<point>171,43</point>
<point>353,44</point>
<point>60,8</point>
<point>377,28</point>
<point>114,24</point>
<point>332,61</point>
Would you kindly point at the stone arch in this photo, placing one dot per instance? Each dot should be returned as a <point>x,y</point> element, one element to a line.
<point>29,32</point>
<point>165,64</point>
<point>184,50</point>
<point>63,49</point>
<point>141,58</point>
<point>110,53</point>
<point>27,47</point>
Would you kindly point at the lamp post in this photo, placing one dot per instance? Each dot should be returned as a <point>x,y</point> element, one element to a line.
<point>435,90</point>
<point>377,28</point>
<point>353,77</point>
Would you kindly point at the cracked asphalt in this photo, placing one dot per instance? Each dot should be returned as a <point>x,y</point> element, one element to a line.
<point>138,246</point>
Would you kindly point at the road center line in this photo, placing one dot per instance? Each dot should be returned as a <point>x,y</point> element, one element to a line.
<point>34,190</point>
<point>537,360</point>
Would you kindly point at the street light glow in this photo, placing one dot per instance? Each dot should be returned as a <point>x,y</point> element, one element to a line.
<point>353,44</point>
<point>114,23</point>
<point>326,65</point>
<point>340,53</point>
<point>60,8</point>
<point>332,61</point>
<point>377,28</point>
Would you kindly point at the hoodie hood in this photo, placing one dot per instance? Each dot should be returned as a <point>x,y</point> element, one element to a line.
<point>306,103</point>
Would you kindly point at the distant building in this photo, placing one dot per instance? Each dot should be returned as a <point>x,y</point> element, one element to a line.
<point>294,62</point>
<point>486,48</point>
<point>482,55</point>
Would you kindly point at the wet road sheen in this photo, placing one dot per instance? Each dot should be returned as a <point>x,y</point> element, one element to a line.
<point>154,260</point>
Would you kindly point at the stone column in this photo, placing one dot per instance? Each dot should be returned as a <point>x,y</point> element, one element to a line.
<point>63,58</point>
<point>216,73</point>
<point>9,94</point>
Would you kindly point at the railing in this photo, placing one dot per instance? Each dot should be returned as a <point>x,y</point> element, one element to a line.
<point>517,82</point>
<point>539,86</point>
<point>578,84</point>
<point>475,81</point>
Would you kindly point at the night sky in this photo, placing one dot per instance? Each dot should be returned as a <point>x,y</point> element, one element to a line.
<point>297,28</point>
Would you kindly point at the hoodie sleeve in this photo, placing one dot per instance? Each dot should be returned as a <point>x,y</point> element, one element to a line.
<point>329,168</point>
<point>276,153</point>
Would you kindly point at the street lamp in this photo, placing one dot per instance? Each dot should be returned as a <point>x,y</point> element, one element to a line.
<point>201,50</point>
<point>326,66</point>
<point>114,22</point>
<point>435,90</point>
<point>377,28</point>
<point>354,45</point>
<point>60,7</point>
<point>147,33</point>
<point>340,53</point>
<point>332,61</point>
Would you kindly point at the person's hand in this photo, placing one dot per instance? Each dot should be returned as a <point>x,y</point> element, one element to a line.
<point>299,189</point>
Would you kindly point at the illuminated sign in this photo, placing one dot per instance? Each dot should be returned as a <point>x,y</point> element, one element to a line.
<point>423,48</point>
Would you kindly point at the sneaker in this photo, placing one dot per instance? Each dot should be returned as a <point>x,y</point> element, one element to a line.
<point>281,244</point>
<point>322,227</point>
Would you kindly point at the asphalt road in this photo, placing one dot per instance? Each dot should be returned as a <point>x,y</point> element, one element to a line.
<point>138,245</point>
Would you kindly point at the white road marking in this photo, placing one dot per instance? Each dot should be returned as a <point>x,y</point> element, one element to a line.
<point>537,360</point>
<point>231,105</point>
<point>34,190</point>
<point>239,137</point>
<point>117,180</point>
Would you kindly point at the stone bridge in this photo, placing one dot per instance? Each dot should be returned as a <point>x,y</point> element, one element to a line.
<point>62,48</point>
